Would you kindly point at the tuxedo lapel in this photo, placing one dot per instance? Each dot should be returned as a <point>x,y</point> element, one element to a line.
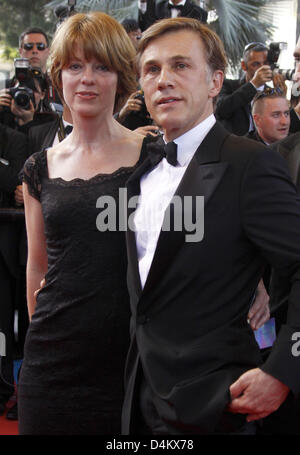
<point>201,178</point>
<point>162,10</point>
<point>50,135</point>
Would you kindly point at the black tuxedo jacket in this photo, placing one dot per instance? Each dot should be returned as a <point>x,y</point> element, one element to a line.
<point>159,10</point>
<point>189,329</point>
<point>42,136</point>
<point>289,148</point>
<point>13,148</point>
<point>234,105</point>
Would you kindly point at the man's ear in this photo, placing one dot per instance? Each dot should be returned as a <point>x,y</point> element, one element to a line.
<point>216,83</point>
<point>257,120</point>
<point>243,65</point>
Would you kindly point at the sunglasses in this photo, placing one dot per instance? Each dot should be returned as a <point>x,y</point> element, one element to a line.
<point>268,91</point>
<point>255,45</point>
<point>39,46</point>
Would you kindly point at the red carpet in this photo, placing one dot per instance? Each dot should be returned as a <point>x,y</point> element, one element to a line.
<point>8,427</point>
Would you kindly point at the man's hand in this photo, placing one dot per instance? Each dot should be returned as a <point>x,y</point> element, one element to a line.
<point>5,98</point>
<point>262,75</point>
<point>23,115</point>
<point>19,195</point>
<point>132,104</point>
<point>259,312</point>
<point>256,394</point>
<point>151,130</point>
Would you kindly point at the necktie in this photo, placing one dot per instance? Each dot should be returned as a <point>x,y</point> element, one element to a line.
<point>157,152</point>
<point>68,129</point>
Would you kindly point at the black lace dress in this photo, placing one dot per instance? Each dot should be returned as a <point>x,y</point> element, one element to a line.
<point>71,380</point>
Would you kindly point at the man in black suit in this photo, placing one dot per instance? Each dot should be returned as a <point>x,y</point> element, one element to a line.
<point>13,153</point>
<point>151,11</point>
<point>194,365</point>
<point>236,97</point>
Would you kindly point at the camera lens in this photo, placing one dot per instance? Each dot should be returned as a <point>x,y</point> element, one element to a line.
<point>22,99</point>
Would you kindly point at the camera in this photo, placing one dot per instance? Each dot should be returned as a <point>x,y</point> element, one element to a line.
<point>143,111</point>
<point>273,56</point>
<point>23,93</point>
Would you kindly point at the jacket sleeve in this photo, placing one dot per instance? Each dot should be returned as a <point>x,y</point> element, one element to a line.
<point>231,99</point>
<point>270,209</point>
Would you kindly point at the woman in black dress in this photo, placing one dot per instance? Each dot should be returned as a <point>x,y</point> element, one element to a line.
<point>72,375</point>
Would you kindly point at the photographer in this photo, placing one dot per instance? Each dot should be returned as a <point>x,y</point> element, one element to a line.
<point>20,105</point>
<point>13,153</point>
<point>134,115</point>
<point>236,97</point>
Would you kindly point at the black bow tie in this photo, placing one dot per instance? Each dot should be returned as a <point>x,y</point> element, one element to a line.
<point>179,7</point>
<point>157,152</point>
<point>68,129</point>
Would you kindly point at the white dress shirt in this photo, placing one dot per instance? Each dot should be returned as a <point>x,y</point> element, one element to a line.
<point>56,139</point>
<point>157,189</point>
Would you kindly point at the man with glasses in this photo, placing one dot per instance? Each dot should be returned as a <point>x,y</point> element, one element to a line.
<point>33,45</point>
<point>235,101</point>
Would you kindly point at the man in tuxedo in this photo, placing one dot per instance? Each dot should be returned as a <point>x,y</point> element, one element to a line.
<point>151,11</point>
<point>194,365</point>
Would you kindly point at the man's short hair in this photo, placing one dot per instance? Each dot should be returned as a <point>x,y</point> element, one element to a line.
<point>213,46</point>
<point>267,93</point>
<point>130,25</point>
<point>253,47</point>
<point>30,30</point>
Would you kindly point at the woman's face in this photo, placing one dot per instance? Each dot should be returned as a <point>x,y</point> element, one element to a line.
<point>89,87</point>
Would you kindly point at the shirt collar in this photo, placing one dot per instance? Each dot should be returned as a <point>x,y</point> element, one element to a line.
<point>188,143</point>
<point>178,4</point>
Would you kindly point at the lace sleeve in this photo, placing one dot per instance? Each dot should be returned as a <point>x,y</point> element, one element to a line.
<point>31,175</point>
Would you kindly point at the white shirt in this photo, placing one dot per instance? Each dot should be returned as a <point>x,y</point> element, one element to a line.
<point>56,139</point>
<point>157,189</point>
<point>174,11</point>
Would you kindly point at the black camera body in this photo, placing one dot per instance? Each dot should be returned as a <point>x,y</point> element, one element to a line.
<point>23,93</point>
<point>143,111</point>
<point>273,56</point>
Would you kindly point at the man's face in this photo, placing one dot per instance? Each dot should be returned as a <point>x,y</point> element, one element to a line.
<point>255,61</point>
<point>273,122</point>
<point>178,86</point>
<point>36,57</point>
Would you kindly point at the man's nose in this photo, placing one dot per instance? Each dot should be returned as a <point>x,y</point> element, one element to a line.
<point>165,77</point>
